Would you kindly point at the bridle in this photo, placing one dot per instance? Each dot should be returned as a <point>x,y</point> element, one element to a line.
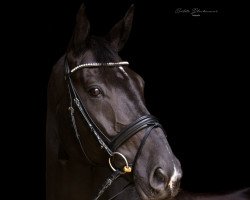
<point>148,122</point>
<point>110,146</point>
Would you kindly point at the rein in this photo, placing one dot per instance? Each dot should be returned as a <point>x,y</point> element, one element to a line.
<point>147,122</point>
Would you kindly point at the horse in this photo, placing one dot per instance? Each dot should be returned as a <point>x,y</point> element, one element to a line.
<point>101,140</point>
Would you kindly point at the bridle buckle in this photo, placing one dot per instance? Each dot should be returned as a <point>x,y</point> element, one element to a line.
<point>127,169</point>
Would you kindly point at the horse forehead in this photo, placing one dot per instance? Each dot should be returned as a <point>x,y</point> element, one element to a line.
<point>88,56</point>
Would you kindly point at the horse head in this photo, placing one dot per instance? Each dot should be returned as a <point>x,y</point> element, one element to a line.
<point>103,105</point>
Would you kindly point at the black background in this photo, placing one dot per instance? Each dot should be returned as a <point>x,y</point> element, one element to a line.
<point>197,83</point>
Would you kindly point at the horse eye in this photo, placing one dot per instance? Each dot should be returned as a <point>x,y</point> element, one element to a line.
<point>95,92</point>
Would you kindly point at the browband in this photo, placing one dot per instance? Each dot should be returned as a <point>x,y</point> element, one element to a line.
<point>90,65</point>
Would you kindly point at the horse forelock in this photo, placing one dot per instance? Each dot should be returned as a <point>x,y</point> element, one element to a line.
<point>102,50</point>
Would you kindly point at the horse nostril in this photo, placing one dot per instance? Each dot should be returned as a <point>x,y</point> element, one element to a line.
<point>160,175</point>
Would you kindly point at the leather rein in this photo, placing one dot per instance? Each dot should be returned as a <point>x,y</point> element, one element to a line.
<point>148,122</point>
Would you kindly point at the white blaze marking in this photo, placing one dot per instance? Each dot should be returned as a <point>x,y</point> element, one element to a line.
<point>174,178</point>
<point>176,175</point>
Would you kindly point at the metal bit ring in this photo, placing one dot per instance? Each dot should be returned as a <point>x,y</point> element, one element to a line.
<point>126,168</point>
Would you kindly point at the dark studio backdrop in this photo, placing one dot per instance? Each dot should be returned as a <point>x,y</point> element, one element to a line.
<point>196,83</point>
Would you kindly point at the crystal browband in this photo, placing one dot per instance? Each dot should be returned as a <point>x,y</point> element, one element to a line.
<point>89,65</point>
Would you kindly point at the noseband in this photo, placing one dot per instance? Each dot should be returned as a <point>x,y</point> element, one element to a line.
<point>110,146</point>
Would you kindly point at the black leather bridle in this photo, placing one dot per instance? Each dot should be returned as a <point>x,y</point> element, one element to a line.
<point>148,122</point>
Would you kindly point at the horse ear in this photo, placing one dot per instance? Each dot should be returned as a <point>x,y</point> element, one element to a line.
<point>120,32</point>
<point>81,31</point>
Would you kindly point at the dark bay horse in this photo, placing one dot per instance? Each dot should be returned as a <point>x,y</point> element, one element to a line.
<point>100,137</point>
